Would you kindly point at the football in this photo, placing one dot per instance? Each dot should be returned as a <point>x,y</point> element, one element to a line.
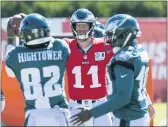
<point>14,23</point>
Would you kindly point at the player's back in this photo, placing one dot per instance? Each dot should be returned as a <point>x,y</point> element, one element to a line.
<point>135,58</point>
<point>40,72</point>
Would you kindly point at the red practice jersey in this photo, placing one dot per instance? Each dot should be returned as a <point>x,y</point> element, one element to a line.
<point>87,72</point>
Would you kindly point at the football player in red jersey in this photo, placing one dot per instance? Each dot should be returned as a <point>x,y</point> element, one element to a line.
<point>86,67</point>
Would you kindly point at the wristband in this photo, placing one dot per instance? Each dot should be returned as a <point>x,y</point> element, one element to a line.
<point>11,37</point>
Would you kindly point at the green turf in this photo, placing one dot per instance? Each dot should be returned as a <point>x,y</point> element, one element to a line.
<point>160,113</point>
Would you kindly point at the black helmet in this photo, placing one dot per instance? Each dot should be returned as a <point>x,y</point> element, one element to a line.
<point>34,30</point>
<point>120,30</point>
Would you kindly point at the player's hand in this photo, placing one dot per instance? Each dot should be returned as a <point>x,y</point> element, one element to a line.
<point>14,24</point>
<point>151,111</point>
<point>81,117</point>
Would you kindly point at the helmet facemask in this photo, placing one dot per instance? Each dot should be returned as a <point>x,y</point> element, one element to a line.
<point>86,19</point>
<point>120,31</point>
<point>82,31</point>
<point>35,36</point>
<point>118,39</point>
<point>34,30</point>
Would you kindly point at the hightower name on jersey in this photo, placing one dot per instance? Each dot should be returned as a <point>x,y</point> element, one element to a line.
<point>39,56</point>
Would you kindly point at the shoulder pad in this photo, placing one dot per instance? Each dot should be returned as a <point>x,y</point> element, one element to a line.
<point>62,41</point>
<point>123,56</point>
<point>10,48</point>
<point>58,40</point>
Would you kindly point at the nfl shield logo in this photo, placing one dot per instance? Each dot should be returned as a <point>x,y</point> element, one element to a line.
<point>99,56</point>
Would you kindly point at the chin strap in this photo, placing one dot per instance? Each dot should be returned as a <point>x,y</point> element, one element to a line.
<point>82,37</point>
<point>116,49</point>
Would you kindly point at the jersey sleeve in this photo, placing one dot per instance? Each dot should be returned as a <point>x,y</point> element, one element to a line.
<point>65,46</point>
<point>66,51</point>
<point>9,62</point>
<point>124,86</point>
<point>9,57</point>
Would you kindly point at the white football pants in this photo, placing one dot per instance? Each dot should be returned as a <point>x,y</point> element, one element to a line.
<point>47,117</point>
<point>104,120</point>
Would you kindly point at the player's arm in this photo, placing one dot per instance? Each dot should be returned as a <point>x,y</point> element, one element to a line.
<point>13,26</point>
<point>151,109</point>
<point>148,100</point>
<point>10,32</point>
<point>66,50</point>
<point>8,62</point>
<point>124,85</point>
<point>9,71</point>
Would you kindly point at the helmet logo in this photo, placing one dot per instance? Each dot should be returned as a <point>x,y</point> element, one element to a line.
<point>29,37</point>
<point>35,32</point>
<point>82,16</point>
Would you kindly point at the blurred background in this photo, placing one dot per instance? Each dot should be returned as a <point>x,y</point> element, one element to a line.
<point>152,17</point>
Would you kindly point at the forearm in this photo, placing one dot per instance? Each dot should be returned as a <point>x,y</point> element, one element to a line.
<point>148,100</point>
<point>116,102</point>
<point>10,43</point>
<point>124,86</point>
<point>10,33</point>
<point>11,40</point>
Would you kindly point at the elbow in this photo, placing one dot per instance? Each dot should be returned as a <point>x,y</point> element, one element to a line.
<point>126,98</point>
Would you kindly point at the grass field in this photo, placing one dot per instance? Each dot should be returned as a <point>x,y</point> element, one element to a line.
<point>161,114</point>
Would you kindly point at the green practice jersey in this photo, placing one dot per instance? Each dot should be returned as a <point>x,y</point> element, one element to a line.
<point>128,71</point>
<point>40,72</point>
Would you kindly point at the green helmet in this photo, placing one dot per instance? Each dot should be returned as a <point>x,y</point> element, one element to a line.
<point>83,16</point>
<point>34,30</point>
<point>120,30</point>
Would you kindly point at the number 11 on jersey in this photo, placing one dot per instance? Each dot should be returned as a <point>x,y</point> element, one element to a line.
<point>93,71</point>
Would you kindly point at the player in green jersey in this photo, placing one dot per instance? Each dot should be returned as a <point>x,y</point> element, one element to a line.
<point>39,67</point>
<point>128,71</point>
